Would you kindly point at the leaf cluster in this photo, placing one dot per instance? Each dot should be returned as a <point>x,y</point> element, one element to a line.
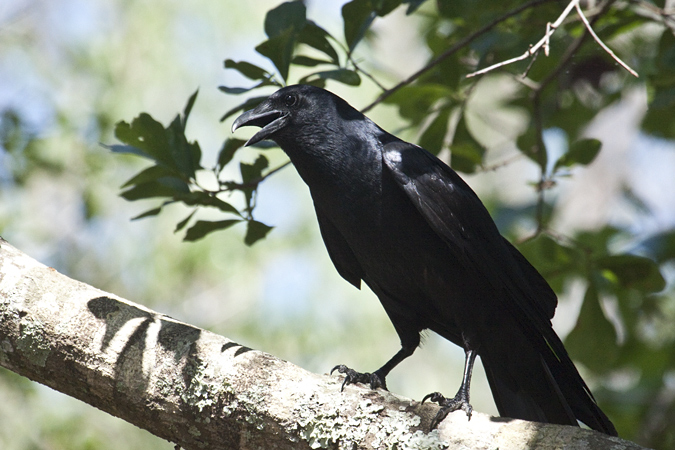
<point>173,175</point>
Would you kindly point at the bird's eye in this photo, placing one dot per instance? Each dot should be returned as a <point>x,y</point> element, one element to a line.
<point>290,100</point>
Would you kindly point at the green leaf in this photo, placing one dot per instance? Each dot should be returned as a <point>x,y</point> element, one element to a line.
<point>309,62</point>
<point>528,145</point>
<point>457,8</point>
<point>279,50</point>
<point>466,152</point>
<point>665,60</point>
<point>415,101</point>
<point>147,135</point>
<point>659,119</point>
<point>581,152</point>
<point>598,241</point>
<point>357,15</point>
<point>593,340</point>
<point>556,263</point>
<point>632,271</point>
<point>203,227</point>
<point>412,5</point>
<point>287,16</point>
<point>148,213</point>
<point>201,198</point>
<point>227,151</point>
<point>186,155</point>
<point>188,108</point>
<point>250,71</point>
<point>162,187</point>
<point>433,137</point>
<point>283,25</point>
<point>168,147</point>
<point>152,173</point>
<point>12,130</point>
<point>345,76</point>
<point>248,104</point>
<point>384,7</point>
<point>574,117</point>
<point>236,90</point>
<point>242,90</point>
<point>661,246</point>
<point>317,38</point>
<point>128,149</point>
<point>180,225</point>
<point>250,172</point>
<point>255,231</point>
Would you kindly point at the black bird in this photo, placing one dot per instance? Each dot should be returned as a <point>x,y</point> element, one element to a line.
<point>398,218</point>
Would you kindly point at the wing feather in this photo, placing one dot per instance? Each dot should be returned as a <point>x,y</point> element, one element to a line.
<point>458,216</point>
<point>339,251</point>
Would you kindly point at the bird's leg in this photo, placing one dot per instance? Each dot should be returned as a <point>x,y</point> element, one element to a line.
<point>352,376</point>
<point>461,399</point>
<point>377,379</point>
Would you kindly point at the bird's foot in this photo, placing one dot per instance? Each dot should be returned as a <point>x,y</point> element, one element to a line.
<point>351,376</point>
<point>448,405</point>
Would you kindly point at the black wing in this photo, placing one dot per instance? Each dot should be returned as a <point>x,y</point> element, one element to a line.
<point>339,251</point>
<point>458,216</point>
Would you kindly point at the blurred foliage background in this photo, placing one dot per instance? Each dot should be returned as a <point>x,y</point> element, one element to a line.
<point>572,155</point>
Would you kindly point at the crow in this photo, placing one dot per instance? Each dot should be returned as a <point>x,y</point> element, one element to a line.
<point>394,216</point>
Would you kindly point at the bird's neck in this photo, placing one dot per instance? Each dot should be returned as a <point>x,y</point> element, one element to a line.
<point>330,153</point>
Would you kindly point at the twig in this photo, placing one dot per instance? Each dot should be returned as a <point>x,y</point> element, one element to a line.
<point>550,29</point>
<point>541,159</point>
<point>544,42</point>
<point>536,100</point>
<point>602,44</point>
<point>449,52</point>
<point>666,16</point>
<point>534,58</point>
<point>367,74</point>
<point>503,163</point>
<point>230,186</point>
<point>351,59</point>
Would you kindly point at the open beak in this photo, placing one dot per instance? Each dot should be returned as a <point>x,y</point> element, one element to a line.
<point>269,119</point>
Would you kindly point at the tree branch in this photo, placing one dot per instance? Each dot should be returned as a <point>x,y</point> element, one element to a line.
<point>200,390</point>
<point>544,182</point>
<point>534,49</point>
<point>450,51</point>
<point>544,42</point>
<point>599,41</point>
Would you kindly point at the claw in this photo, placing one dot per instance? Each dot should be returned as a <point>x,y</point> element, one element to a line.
<point>352,377</point>
<point>435,397</point>
<point>340,368</point>
<point>448,405</point>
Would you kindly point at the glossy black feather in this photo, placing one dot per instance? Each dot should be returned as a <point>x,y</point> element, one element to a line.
<point>397,218</point>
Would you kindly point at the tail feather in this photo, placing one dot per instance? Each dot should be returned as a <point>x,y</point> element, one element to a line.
<point>541,387</point>
<point>580,398</point>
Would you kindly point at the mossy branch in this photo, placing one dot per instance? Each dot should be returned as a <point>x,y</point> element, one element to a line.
<point>200,390</point>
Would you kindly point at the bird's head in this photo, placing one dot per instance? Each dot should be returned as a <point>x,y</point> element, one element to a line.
<point>292,108</point>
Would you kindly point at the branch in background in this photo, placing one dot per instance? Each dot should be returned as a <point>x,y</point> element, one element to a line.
<point>602,44</point>
<point>200,390</point>
<point>533,50</point>
<point>503,163</point>
<point>537,114</point>
<point>251,184</point>
<point>452,50</point>
<point>544,42</point>
<point>667,16</point>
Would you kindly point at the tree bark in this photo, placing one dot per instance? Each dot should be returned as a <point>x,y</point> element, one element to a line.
<point>200,390</point>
